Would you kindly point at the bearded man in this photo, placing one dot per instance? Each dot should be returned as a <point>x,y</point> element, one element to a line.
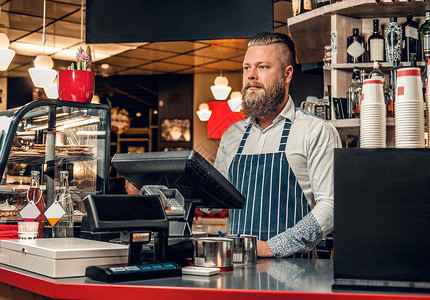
<point>280,158</point>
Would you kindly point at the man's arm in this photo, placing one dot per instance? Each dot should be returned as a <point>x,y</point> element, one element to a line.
<point>311,229</point>
<point>220,160</point>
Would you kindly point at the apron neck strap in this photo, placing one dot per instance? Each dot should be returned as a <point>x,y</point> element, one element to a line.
<point>285,134</point>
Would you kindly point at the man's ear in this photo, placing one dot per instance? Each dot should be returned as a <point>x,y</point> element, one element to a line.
<point>288,73</point>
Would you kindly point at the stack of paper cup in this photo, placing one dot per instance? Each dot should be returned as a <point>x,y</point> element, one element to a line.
<point>409,109</point>
<point>373,130</point>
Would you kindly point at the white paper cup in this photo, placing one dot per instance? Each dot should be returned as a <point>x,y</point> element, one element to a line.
<point>27,230</point>
<point>27,235</point>
<point>372,92</point>
<point>409,85</point>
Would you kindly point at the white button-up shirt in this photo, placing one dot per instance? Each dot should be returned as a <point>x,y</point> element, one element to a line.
<point>309,152</point>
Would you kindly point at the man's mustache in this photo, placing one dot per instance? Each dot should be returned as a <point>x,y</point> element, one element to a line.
<point>254,84</point>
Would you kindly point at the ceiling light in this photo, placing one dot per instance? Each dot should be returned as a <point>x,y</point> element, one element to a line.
<point>6,54</point>
<point>220,89</point>
<point>105,66</point>
<point>52,90</point>
<point>204,113</point>
<point>42,74</point>
<point>95,99</point>
<point>235,101</point>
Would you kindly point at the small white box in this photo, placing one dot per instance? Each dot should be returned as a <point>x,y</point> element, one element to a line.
<point>61,257</point>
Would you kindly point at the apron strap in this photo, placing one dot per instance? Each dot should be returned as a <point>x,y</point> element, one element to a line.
<point>243,141</point>
<point>285,134</point>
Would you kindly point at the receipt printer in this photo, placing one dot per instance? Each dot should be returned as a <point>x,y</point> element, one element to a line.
<point>139,219</point>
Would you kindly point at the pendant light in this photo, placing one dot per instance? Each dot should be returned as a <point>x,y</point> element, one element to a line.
<point>204,113</point>
<point>42,74</point>
<point>220,89</point>
<point>6,54</point>
<point>52,90</point>
<point>235,102</point>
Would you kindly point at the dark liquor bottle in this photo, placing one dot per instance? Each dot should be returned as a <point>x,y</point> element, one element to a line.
<point>393,42</point>
<point>425,38</point>
<point>376,43</point>
<point>355,49</point>
<point>35,195</point>
<point>322,2</point>
<point>354,95</point>
<point>410,38</point>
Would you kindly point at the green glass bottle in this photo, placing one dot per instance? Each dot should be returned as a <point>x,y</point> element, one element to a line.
<point>425,38</point>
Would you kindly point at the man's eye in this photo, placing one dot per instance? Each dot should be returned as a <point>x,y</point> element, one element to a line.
<point>245,68</point>
<point>263,67</point>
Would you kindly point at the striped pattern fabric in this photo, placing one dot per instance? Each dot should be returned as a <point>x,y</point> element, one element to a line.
<point>274,199</point>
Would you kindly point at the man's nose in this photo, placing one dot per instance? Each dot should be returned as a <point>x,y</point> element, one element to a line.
<point>252,75</point>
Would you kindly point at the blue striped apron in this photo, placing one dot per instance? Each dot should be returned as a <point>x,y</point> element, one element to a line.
<point>274,198</point>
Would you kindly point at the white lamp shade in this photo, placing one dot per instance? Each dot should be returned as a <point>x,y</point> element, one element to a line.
<point>95,99</point>
<point>204,115</point>
<point>6,56</point>
<point>235,104</point>
<point>52,91</point>
<point>203,106</point>
<point>220,89</point>
<point>220,92</point>
<point>43,62</point>
<point>4,41</point>
<point>42,77</point>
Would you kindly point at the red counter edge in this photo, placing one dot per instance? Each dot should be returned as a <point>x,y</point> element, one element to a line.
<point>76,291</point>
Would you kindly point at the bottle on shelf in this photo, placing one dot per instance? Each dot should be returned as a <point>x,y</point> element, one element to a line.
<point>354,95</point>
<point>35,195</point>
<point>301,6</point>
<point>322,2</point>
<point>427,95</point>
<point>376,73</point>
<point>425,38</point>
<point>376,43</point>
<point>355,50</point>
<point>393,42</point>
<point>410,38</point>
<point>64,227</point>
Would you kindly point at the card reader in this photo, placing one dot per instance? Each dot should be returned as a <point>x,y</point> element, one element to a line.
<point>117,273</point>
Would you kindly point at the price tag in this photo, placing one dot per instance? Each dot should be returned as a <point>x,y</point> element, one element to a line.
<point>54,213</point>
<point>30,212</point>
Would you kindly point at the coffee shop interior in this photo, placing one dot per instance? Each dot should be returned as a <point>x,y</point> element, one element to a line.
<point>156,67</point>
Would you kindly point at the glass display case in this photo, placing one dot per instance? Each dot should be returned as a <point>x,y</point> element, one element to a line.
<point>50,136</point>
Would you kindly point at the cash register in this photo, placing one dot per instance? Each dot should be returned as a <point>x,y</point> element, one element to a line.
<point>172,185</point>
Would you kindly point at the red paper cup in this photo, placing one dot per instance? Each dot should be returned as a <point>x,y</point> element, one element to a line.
<point>76,85</point>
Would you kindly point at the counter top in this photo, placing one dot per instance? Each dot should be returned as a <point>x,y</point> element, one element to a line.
<point>274,278</point>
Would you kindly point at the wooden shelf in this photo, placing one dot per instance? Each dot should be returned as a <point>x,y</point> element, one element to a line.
<point>354,123</point>
<point>368,66</point>
<point>311,30</point>
<point>351,127</point>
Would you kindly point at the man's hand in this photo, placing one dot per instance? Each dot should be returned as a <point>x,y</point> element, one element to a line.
<point>263,249</point>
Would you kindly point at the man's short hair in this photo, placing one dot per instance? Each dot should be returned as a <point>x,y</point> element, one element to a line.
<point>288,55</point>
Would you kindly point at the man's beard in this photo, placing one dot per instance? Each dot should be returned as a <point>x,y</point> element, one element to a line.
<point>264,101</point>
